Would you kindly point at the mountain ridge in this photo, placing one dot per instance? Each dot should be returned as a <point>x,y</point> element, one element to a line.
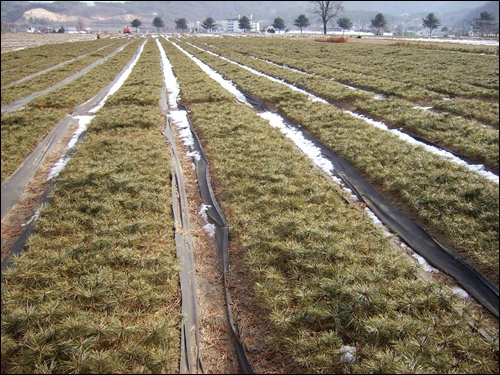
<point>118,15</point>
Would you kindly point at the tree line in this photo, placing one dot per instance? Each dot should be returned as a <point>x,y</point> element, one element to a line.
<point>327,12</point>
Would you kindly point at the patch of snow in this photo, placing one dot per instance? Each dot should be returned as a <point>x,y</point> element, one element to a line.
<point>83,122</point>
<point>119,83</point>
<point>347,354</point>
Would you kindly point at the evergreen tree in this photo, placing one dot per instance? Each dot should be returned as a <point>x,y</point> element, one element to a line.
<point>486,16</point>
<point>136,23</point>
<point>485,24</point>
<point>379,23</point>
<point>301,22</point>
<point>344,23</point>
<point>181,24</point>
<point>158,23</point>
<point>244,24</point>
<point>209,24</point>
<point>279,24</point>
<point>431,22</point>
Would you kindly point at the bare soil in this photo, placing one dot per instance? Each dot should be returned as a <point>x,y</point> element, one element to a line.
<point>15,41</point>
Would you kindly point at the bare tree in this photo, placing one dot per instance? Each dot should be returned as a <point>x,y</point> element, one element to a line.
<point>327,11</point>
<point>80,24</point>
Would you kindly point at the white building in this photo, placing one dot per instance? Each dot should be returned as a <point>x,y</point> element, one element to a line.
<point>231,25</point>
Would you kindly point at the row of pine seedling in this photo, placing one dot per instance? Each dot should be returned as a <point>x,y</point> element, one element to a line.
<point>327,276</point>
<point>97,290</point>
<point>22,130</point>
<point>445,198</point>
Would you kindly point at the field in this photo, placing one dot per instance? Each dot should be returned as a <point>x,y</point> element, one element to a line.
<point>139,262</point>
<point>15,41</point>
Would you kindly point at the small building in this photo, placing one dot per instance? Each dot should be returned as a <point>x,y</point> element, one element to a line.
<point>231,25</point>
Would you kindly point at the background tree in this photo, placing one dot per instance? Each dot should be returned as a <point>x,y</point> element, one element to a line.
<point>80,24</point>
<point>379,23</point>
<point>485,24</point>
<point>158,23</point>
<point>301,22</point>
<point>244,24</point>
<point>279,24</point>
<point>431,22</point>
<point>181,24</point>
<point>344,23</point>
<point>327,11</point>
<point>135,23</point>
<point>209,24</point>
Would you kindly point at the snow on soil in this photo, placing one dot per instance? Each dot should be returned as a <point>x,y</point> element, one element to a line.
<point>83,122</point>
<point>477,168</point>
<point>312,152</point>
<point>181,121</point>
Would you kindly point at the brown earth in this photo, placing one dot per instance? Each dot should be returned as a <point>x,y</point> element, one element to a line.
<point>15,41</point>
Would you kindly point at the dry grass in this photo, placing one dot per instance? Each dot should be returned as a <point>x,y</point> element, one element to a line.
<point>332,39</point>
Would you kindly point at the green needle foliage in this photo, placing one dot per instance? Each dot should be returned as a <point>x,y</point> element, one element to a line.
<point>22,63</point>
<point>22,130</point>
<point>97,290</point>
<point>467,138</point>
<point>443,197</point>
<point>326,276</point>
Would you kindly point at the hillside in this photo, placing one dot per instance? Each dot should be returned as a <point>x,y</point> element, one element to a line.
<point>113,17</point>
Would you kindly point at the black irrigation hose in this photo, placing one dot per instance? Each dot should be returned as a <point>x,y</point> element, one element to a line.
<point>437,255</point>
<point>222,237</point>
<point>483,290</point>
